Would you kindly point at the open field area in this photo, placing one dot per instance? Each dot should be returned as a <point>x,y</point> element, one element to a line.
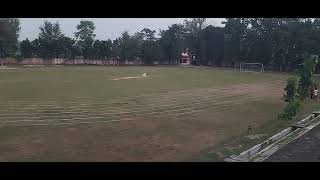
<point>173,114</point>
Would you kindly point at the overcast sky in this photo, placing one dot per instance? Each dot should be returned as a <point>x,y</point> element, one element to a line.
<point>106,28</point>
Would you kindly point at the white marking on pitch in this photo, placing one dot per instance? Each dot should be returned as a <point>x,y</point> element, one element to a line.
<point>131,77</point>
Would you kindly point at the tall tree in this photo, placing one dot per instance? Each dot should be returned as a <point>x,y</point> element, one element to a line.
<point>15,26</point>
<point>257,44</point>
<point>235,33</point>
<point>148,34</point>
<point>116,49</point>
<point>171,42</point>
<point>49,37</point>
<point>66,47</point>
<point>193,28</point>
<point>123,45</point>
<point>195,25</point>
<point>85,37</point>
<point>212,45</point>
<point>36,48</point>
<point>26,49</point>
<point>9,32</point>
<point>102,49</point>
<point>150,47</point>
<point>130,46</point>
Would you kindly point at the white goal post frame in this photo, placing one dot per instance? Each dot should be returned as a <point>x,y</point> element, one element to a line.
<point>243,63</point>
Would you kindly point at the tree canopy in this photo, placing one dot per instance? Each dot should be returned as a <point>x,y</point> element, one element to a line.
<point>9,33</point>
<point>278,43</point>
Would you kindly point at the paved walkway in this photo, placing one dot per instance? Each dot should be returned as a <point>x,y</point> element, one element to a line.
<point>304,149</point>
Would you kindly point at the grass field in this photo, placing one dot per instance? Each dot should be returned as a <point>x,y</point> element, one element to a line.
<point>174,114</point>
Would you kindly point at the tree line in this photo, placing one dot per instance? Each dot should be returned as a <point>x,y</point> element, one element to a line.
<point>279,43</point>
<point>9,33</point>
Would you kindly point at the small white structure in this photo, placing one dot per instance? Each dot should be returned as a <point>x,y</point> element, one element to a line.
<point>185,58</point>
<point>2,66</point>
<point>144,75</point>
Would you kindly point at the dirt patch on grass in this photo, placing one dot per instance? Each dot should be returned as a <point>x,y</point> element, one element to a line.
<point>129,77</point>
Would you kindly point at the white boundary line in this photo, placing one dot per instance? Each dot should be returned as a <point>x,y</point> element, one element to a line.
<point>148,112</point>
<point>87,122</point>
<point>175,92</point>
<point>135,109</point>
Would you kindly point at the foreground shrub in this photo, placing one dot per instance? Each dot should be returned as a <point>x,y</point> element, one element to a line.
<point>291,89</point>
<point>291,110</point>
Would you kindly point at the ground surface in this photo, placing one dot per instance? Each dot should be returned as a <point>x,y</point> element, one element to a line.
<point>303,149</point>
<point>82,114</point>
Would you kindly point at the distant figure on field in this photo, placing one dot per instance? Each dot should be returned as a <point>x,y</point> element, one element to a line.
<point>315,93</point>
<point>284,95</point>
<point>144,75</point>
<point>311,92</point>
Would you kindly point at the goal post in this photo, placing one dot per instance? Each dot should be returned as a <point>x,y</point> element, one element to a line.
<point>244,66</point>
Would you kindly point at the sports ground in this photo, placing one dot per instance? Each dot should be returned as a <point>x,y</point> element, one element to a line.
<point>92,113</point>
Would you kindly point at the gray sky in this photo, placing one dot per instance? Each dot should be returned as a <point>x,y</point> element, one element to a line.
<point>105,27</point>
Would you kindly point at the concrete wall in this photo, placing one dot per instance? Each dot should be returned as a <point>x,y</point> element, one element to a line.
<point>62,61</point>
<point>32,61</point>
<point>7,61</point>
<point>255,150</point>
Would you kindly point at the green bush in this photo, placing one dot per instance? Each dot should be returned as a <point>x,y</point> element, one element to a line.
<point>291,89</point>
<point>306,73</point>
<point>305,82</point>
<point>291,110</point>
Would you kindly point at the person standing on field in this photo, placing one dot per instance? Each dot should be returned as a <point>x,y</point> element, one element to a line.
<point>315,93</point>
<point>284,96</point>
<point>311,92</point>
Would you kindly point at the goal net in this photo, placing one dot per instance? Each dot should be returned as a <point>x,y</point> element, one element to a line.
<point>257,67</point>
